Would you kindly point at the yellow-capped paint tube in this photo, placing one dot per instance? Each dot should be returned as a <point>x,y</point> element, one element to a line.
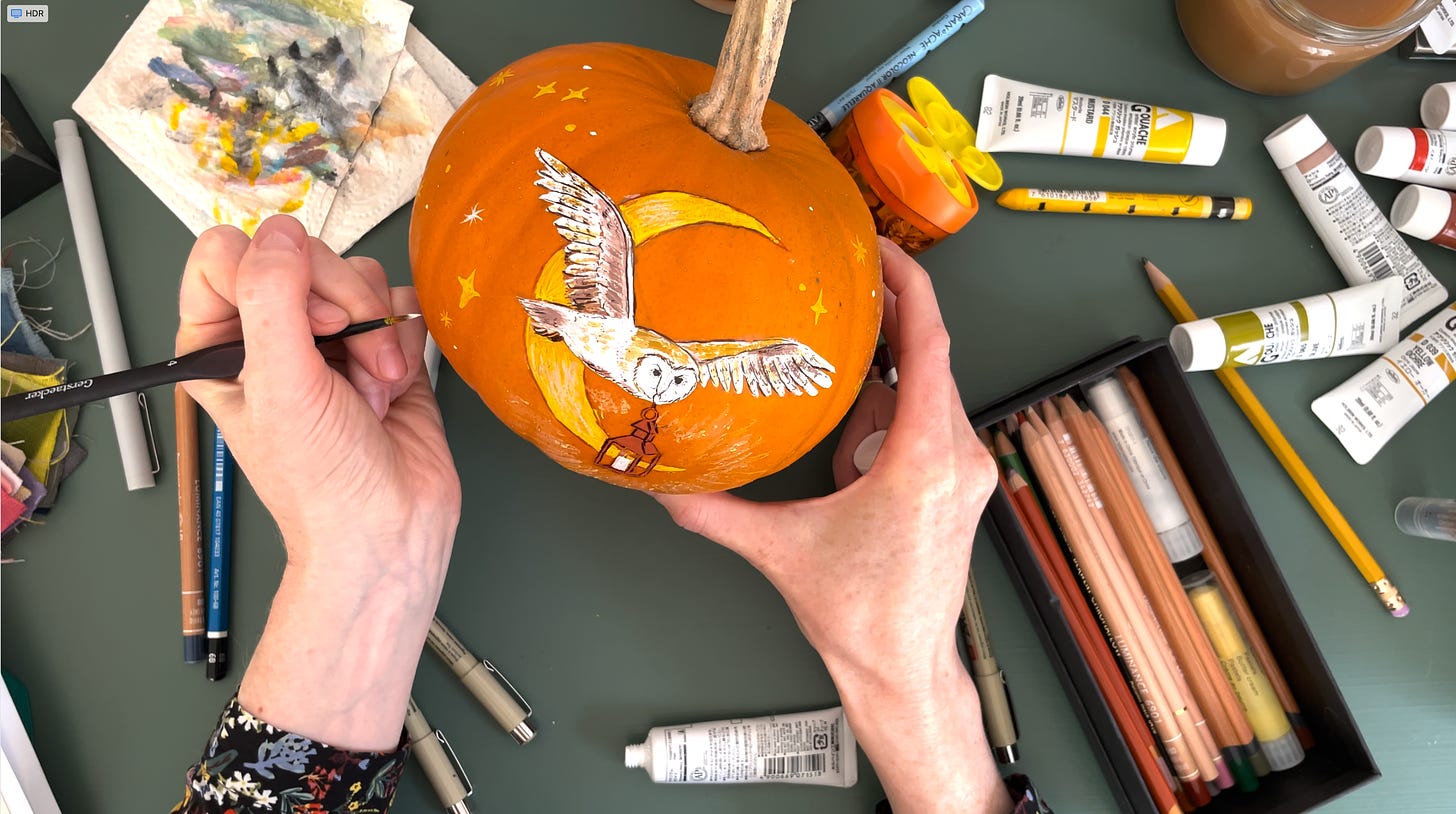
<point>1020,117</point>
<point>1145,204</point>
<point>1348,322</point>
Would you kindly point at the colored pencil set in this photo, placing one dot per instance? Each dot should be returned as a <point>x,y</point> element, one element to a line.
<point>1117,530</point>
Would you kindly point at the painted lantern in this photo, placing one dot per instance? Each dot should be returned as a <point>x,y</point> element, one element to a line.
<point>645,304</point>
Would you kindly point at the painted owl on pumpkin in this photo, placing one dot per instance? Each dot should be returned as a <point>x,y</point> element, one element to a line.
<point>600,325</point>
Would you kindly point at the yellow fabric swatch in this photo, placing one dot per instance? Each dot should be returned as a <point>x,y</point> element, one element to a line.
<point>37,435</point>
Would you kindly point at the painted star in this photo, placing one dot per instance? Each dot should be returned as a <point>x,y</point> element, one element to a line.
<point>573,93</point>
<point>542,90</point>
<point>467,288</point>
<point>445,319</point>
<point>500,78</point>
<point>474,215</point>
<point>818,307</point>
<point>859,251</point>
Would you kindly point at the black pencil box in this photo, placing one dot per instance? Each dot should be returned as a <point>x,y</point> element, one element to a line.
<point>1339,760</point>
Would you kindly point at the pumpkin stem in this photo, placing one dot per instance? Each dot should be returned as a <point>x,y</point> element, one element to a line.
<point>732,109</point>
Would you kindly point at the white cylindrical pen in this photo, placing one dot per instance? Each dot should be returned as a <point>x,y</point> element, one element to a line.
<point>136,458</point>
<point>483,681</point>
<point>437,759</point>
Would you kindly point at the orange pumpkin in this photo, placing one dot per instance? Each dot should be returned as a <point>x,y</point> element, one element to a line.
<point>647,305</point>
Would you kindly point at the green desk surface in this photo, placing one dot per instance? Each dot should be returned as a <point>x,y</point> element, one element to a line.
<point>611,619</point>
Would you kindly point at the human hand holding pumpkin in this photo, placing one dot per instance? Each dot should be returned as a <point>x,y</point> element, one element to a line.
<point>875,573</point>
<point>346,449</point>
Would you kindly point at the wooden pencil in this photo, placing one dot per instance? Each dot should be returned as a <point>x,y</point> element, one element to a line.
<point>1190,645</point>
<point>1293,465</point>
<point>1213,554</point>
<point>189,526</point>
<point>1085,541</point>
<point>1188,715</point>
<point>1093,646</point>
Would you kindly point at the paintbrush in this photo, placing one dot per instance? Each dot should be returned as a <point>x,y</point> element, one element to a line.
<point>223,361</point>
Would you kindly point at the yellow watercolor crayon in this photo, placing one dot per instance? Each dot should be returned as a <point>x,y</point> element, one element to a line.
<point>1148,204</point>
<point>1266,716</point>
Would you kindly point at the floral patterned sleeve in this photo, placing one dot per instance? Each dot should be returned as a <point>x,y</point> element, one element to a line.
<point>251,767</point>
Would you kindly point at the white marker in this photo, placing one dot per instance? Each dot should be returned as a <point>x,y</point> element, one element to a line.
<point>136,458</point>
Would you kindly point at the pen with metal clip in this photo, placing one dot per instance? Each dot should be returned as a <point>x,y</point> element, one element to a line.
<point>996,712</point>
<point>438,760</point>
<point>485,682</point>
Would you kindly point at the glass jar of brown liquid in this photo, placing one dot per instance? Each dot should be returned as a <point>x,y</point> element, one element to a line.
<point>1283,47</point>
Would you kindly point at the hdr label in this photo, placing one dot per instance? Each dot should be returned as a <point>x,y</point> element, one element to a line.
<point>27,14</point>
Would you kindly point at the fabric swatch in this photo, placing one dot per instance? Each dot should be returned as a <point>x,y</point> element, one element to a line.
<point>17,333</point>
<point>36,435</point>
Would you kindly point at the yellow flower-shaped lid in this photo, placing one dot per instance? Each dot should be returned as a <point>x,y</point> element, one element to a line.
<point>953,133</point>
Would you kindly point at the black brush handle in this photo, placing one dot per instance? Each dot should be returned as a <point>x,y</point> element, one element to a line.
<point>223,361</point>
<point>217,362</point>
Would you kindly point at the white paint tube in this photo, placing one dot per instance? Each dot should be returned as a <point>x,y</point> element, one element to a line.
<point>1370,407</point>
<point>1019,117</point>
<point>1355,232</point>
<point>815,748</point>
<point>1438,106</point>
<point>1348,322</point>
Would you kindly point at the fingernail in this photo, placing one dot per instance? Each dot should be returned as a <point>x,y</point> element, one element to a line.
<point>321,310</point>
<point>391,363</point>
<point>279,237</point>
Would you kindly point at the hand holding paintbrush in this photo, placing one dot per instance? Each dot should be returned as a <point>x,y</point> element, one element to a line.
<point>345,448</point>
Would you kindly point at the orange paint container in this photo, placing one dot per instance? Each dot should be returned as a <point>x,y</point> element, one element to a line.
<point>911,164</point>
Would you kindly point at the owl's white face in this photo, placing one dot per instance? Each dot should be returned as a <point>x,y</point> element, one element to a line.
<point>662,381</point>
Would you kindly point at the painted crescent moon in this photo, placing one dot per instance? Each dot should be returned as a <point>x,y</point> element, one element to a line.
<point>559,375</point>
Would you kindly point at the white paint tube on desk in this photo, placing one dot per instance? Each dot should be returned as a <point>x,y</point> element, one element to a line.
<point>1355,232</point>
<point>815,748</point>
<point>1370,407</point>
<point>1019,117</point>
<point>1348,322</point>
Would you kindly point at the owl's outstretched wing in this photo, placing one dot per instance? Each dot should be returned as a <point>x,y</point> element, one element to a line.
<point>766,366</point>
<point>598,243</point>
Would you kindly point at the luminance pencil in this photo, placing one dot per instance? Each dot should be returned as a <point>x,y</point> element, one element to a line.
<point>1175,613</point>
<point>1213,554</point>
<point>1284,452</point>
<point>189,528</point>
<point>1073,515</point>
<point>1091,643</point>
<point>1158,654</point>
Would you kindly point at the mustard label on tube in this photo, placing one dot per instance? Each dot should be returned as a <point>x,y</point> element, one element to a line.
<point>1021,117</point>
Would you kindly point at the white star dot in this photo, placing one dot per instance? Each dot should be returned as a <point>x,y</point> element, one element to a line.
<point>474,215</point>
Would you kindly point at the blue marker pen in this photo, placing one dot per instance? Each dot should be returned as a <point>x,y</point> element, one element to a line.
<point>219,558</point>
<point>898,63</point>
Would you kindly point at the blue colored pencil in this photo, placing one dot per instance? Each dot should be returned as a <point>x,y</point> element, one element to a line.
<point>219,558</point>
<point>898,63</point>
